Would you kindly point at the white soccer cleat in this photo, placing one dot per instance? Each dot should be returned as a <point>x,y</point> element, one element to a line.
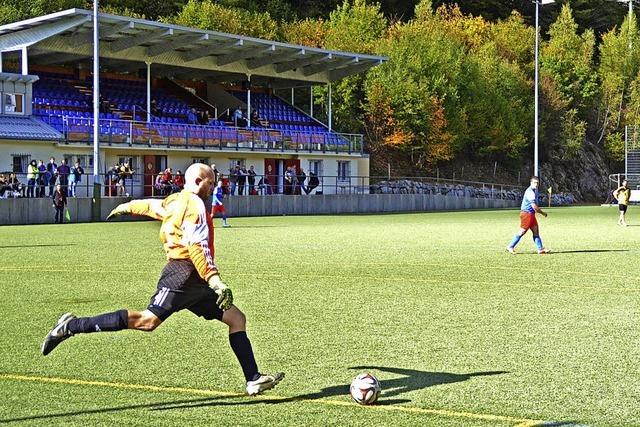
<point>511,250</point>
<point>544,251</point>
<point>58,334</point>
<point>265,382</point>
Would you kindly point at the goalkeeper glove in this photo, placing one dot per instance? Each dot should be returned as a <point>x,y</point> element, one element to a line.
<point>119,210</point>
<point>225,296</point>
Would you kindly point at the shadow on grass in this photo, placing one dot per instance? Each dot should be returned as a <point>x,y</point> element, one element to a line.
<point>581,251</point>
<point>102,410</point>
<point>45,245</point>
<point>409,381</point>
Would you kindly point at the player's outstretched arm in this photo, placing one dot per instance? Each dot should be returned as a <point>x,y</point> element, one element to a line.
<point>153,208</point>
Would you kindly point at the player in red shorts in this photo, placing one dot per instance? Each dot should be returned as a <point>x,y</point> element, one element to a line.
<point>528,211</point>
<point>218,206</point>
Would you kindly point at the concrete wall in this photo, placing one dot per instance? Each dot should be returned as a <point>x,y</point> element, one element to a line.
<point>41,211</point>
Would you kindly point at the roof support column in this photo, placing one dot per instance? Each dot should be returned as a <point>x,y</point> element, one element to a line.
<point>293,97</point>
<point>330,110</point>
<point>25,61</point>
<point>96,114</point>
<point>148,92</point>
<point>248,100</point>
<point>0,62</point>
<point>311,101</point>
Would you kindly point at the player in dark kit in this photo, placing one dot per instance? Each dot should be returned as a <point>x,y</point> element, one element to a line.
<point>190,280</point>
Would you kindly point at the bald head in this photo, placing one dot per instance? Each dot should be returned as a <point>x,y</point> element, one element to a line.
<point>199,180</point>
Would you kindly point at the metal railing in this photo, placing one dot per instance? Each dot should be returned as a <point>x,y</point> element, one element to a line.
<point>171,135</point>
<point>138,185</point>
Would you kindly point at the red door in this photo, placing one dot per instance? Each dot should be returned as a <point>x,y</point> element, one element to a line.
<point>150,172</point>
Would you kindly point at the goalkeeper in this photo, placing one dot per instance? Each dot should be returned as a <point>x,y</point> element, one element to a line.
<point>190,280</point>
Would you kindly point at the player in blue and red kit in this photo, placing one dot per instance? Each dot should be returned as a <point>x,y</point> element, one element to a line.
<point>218,206</point>
<point>528,211</point>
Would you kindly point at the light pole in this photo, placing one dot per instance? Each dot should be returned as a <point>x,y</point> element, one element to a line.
<point>96,114</point>
<point>536,90</point>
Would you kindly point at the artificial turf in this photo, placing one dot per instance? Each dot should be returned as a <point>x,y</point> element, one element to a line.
<point>459,332</point>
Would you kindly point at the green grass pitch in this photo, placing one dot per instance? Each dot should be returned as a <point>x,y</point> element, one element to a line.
<point>459,332</point>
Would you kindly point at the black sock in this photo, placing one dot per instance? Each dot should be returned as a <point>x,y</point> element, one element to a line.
<point>107,322</point>
<point>241,346</point>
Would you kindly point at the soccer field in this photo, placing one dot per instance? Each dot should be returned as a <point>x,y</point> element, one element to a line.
<point>459,332</point>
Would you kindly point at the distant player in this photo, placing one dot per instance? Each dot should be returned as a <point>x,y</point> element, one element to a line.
<point>528,211</point>
<point>622,194</point>
<point>190,280</point>
<point>217,205</point>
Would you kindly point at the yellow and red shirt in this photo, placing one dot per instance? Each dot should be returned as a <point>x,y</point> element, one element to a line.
<point>187,229</point>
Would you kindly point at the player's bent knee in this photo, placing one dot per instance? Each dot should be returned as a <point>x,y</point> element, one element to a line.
<point>234,318</point>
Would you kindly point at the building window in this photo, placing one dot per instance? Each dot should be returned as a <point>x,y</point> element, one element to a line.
<point>204,160</point>
<point>344,171</point>
<point>236,162</point>
<point>13,103</point>
<point>315,166</point>
<point>20,162</point>
<point>85,160</point>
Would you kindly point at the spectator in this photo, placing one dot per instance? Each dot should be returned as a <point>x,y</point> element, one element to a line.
<point>75,177</point>
<point>301,178</point>
<point>42,178</point>
<point>242,179</point>
<point>52,173</point>
<point>251,177</point>
<point>255,117</point>
<point>216,173</point>
<point>289,178</point>
<point>314,182</point>
<point>159,184</point>
<point>270,181</point>
<point>16,186</point>
<point>59,202</point>
<point>111,180</point>
<point>63,175</point>
<point>237,116</point>
<point>233,179</point>
<point>4,187</point>
<point>155,111</point>
<point>124,173</point>
<point>32,176</point>
<point>178,182</point>
<point>192,117</point>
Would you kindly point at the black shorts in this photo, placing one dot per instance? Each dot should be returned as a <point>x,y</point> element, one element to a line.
<point>622,208</point>
<point>180,286</point>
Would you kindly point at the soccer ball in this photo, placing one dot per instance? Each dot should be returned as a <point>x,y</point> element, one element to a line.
<point>365,389</point>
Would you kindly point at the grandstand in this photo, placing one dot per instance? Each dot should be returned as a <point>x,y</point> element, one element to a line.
<point>168,97</point>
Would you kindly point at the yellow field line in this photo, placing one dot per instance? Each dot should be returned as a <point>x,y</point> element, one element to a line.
<point>521,422</point>
<point>342,277</point>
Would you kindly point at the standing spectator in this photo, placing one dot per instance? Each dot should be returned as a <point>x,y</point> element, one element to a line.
<point>75,177</point>
<point>124,173</point>
<point>313,183</point>
<point>155,111</point>
<point>32,176</point>
<point>237,116</point>
<point>289,177</point>
<point>42,178</point>
<point>270,181</point>
<point>59,202</point>
<point>251,177</point>
<point>111,180</point>
<point>63,176</point>
<point>233,179</point>
<point>178,182</point>
<point>301,178</point>
<point>52,173</point>
<point>159,185</point>
<point>216,173</point>
<point>242,180</point>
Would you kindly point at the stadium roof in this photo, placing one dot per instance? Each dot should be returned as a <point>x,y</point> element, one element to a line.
<point>15,127</point>
<point>67,36</point>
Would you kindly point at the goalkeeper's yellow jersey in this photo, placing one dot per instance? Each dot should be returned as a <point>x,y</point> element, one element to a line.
<point>624,194</point>
<point>187,229</point>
